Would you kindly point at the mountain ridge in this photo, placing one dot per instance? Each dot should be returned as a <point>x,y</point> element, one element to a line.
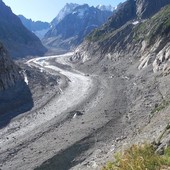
<point>67,9</point>
<point>39,28</point>
<point>16,38</point>
<point>116,35</point>
<point>72,29</point>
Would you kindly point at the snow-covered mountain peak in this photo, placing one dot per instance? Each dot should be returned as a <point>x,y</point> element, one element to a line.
<point>67,9</point>
<point>81,10</point>
<point>106,7</point>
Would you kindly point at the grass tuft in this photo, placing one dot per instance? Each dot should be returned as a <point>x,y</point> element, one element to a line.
<point>139,157</point>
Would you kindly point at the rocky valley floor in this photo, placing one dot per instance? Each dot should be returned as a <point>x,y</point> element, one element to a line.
<point>83,113</point>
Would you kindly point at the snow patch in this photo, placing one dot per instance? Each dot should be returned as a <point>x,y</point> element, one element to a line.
<point>135,22</point>
<point>25,77</point>
<point>105,8</point>
<point>75,115</point>
<point>81,12</point>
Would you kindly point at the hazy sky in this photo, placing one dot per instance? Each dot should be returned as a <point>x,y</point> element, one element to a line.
<point>46,10</point>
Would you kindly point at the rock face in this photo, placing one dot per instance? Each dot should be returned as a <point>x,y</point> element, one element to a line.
<point>146,8</point>
<point>72,29</point>
<point>39,28</point>
<point>15,95</point>
<point>9,73</point>
<point>17,39</point>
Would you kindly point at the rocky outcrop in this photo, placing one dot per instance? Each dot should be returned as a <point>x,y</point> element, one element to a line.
<point>15,95</point>
<point>9,72</point>
<point>72,29</point>
<point>17,39</point>
<point>146,8</point>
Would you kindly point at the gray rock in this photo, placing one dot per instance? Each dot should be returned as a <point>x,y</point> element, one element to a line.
<point>15,95</point>
<point>9,73</point>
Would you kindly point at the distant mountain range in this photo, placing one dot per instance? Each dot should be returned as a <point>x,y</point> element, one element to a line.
<point>17,39</point>
<point>69,8</point>
<point>70,26</point>
<point>73,23</point>
<point>39,28</point>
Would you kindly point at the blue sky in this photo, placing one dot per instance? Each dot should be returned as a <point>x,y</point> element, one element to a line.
<point>46,10</point>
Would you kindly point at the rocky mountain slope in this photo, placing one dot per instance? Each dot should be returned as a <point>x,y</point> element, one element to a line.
<point>146,8</point>
<point>132,50</point>
<point>125,68</point>
<point>73,27</point>
<point>127,34</point>
<point>17,39</point>
<point>39,28</point>
<point>9,74</point>
<point>15,95</point>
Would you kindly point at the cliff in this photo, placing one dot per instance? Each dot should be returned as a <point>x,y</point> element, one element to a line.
<point>15,95</point>
<point>9,72</point>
